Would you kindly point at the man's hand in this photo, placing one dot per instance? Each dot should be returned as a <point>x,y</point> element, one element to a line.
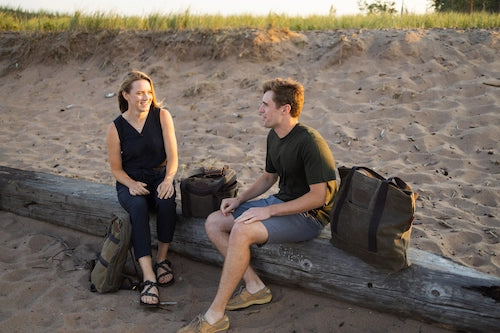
<point>254,214</point>
<point>228,205</point>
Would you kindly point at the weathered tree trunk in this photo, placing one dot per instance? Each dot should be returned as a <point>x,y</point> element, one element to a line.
<point>433,289</point>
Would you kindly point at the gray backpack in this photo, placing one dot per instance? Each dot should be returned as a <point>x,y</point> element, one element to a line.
<point>107,274</point>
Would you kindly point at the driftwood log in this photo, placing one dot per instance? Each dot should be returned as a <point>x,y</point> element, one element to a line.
<point>432,289</point>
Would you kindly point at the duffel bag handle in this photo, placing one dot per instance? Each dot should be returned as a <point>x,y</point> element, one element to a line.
<point>370,171</point>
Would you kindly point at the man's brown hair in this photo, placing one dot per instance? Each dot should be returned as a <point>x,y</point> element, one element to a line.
<point>286,91</point>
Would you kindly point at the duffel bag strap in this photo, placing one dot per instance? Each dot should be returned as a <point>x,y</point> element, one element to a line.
<point>377,215</point>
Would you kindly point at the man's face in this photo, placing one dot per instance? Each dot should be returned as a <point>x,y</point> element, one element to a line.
<point>271,115</point>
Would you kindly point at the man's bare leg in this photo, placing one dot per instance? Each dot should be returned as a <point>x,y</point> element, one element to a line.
<point>236,247</point>
<point>218,228</point>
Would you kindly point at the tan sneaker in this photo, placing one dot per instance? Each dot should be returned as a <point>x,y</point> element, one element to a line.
<point>244,299</point>
<point>200,325</point>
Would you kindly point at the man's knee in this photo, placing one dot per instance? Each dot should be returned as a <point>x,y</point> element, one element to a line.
<point>213,222</point>
<point>248,234</point>
<point>242,234</point>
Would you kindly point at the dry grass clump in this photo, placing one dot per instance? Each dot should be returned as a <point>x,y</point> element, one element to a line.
<point>20,20</point>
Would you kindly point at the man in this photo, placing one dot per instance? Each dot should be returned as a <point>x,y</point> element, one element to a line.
<point>300,159</point>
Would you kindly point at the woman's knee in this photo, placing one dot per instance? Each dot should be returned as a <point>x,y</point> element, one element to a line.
<point>166,211</point>
<point>167,203</point>
<point>134,204</point>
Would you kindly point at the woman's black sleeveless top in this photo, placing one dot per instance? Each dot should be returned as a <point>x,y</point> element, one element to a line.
<point>142,153</point>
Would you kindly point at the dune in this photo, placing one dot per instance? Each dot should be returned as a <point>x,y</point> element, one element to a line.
<point>419,104</point>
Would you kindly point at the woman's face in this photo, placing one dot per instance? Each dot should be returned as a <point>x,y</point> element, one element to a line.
<point>140,96</point>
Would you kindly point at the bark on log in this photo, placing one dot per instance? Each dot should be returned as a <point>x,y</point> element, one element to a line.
<point>432,289</point>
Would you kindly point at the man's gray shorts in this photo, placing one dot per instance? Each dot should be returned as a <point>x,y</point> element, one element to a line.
<point>287,228</point>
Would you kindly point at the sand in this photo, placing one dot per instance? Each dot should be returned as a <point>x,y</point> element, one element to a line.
<point>422,105</point>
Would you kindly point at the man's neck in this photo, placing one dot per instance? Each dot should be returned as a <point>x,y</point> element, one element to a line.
<point>286,127</point>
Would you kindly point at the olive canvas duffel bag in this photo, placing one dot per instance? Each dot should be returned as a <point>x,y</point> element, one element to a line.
<point>372,217</point>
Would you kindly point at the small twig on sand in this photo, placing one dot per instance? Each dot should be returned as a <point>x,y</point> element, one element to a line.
<point>492,234</point>
<point>64,244</point>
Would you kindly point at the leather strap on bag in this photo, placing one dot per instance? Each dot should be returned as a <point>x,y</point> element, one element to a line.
<point>377,215</point>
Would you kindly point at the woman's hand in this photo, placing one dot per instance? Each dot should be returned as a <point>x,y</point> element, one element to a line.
<point>165,189</point>
<point>138,188</point>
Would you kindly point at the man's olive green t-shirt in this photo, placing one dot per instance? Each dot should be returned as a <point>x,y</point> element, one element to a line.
<point>300,159</point>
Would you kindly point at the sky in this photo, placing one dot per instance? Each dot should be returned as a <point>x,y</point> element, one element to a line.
<point>200,7</point>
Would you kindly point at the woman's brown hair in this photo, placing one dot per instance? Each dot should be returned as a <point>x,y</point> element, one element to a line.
<point>127,85</point>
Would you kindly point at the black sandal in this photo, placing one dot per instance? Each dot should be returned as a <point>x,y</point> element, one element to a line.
<point>166,266</point>
<point>146,292</point>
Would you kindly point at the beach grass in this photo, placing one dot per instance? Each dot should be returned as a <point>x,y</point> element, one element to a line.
<point>43,21</point>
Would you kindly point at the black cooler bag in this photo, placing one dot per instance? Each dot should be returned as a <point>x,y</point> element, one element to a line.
<point>202,193</point>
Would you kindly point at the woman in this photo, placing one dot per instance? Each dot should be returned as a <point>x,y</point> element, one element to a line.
<point>142,150</point>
